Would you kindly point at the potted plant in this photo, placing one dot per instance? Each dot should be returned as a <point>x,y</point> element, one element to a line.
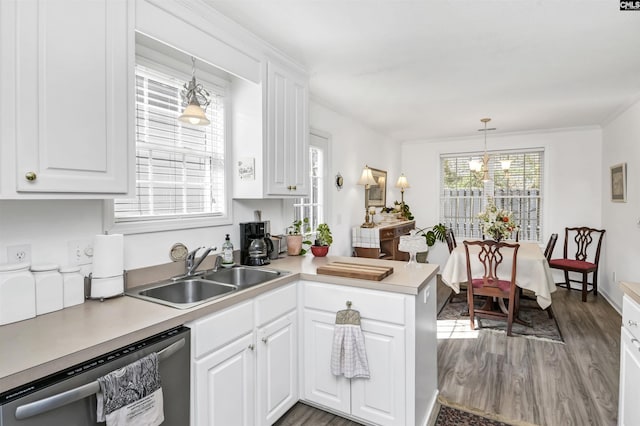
<point>431,234</point>
<point>323,240</point>
<point>296,234</point>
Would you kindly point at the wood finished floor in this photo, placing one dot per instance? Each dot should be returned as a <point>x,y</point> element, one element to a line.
<point>540,382</point>
<point>543,383</point>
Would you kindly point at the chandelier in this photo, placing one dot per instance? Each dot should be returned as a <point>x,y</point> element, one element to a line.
<point>197,99</point>
<point>483,165</point>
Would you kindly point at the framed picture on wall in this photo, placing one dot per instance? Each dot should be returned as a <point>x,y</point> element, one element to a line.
<point>376,195</point>
<point>619,183</point>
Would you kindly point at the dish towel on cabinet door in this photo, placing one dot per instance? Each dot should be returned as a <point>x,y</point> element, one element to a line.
<point>348,354</point>
<point>132,395</point>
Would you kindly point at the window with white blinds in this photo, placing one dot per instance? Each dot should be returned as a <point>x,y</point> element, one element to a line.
<point>180,168</point>
<point>519,189</point>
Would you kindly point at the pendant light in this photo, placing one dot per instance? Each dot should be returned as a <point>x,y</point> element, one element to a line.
<point>483,165</point>
<point>197,99</point>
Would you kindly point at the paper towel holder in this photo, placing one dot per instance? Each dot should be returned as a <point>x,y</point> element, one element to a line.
<point>87,288</point>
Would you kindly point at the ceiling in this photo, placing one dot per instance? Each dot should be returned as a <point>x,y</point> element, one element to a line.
<point>428,69</point>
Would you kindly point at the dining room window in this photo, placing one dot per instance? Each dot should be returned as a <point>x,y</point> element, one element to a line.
<point>518,188</point>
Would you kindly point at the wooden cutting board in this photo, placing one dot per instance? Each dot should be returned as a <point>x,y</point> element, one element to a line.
<point>354,270</point>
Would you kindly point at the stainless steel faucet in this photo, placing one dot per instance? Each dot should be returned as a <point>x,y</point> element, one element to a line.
<point>191,264</point>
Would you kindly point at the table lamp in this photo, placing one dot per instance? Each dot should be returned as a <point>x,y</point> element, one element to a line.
<point>367,180</point>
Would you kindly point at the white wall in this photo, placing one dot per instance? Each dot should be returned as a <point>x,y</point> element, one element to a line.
<point>353,145</point>
<point>48,226</point>
<point>572,179</point>
<point>621,143</point>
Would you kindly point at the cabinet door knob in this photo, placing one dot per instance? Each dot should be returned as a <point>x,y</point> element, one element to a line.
<point>265,340</point>
<point>289,187</point>
<point>632,323</point>
<point>30,176</point>
<point>251,346</point>
<point>294,187</point>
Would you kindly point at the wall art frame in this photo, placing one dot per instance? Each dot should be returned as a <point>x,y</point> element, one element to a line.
<point>619,183</point>
<point>376,195</point>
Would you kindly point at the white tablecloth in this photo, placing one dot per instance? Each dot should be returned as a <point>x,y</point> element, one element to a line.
<point>532,272</point>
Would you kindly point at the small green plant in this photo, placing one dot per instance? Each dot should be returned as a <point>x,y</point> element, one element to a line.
<point>404,209</point>
<point>323,235</point>
<point>433,234</point>
<point>301,227</point>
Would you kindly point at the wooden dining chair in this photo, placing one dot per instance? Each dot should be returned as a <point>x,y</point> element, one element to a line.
<point>584,261</point>
<point>451,239</point>
<point>491,254</point>
<point>551,244</point>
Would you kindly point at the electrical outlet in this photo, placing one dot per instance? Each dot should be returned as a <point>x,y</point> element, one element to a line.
<point>17,254</point>
<point>80,252</point>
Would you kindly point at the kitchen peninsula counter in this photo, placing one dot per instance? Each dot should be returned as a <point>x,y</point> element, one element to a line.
<point>37,347</point>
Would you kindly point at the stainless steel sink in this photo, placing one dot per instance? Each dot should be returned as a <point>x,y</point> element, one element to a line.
<point>187,292</point>
<point>243,276</point>
<point>184,293</point>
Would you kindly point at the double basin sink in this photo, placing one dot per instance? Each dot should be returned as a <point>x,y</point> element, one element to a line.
<point>190,291</point>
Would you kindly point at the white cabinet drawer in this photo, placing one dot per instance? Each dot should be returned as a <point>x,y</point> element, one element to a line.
<point>275,304</point>
<point>631,316</point>
<point>371,304</point>
<point>216,330</point>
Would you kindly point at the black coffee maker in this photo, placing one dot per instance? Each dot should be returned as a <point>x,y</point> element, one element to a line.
<point>255,246</point>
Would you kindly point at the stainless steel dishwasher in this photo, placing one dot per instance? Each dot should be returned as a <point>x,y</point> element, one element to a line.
<point>68,397</point>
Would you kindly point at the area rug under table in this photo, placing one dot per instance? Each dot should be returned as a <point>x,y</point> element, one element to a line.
<point>542,327</point>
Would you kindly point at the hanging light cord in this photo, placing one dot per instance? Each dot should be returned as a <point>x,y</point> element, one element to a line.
<point>192,89</point>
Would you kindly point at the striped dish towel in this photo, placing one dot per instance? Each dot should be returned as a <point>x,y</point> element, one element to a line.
<point>348,354</point>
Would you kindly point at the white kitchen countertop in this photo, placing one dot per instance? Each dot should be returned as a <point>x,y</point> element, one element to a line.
<point>43,345</point>
<point>631,289</point>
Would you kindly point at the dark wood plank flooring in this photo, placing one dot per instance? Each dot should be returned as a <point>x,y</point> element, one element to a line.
<point>527,380</point>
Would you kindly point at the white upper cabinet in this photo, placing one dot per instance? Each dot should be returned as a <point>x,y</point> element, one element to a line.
<point>69,65</point>
<point>287,128</point>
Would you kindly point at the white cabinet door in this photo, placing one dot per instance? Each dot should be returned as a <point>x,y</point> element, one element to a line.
<point>380,399</point>
<point>277,351</point>
<point>320,385</point>
<point>287,128</point>
<point>225,385</point>
<point>628,407</point>
<point>74,70</point>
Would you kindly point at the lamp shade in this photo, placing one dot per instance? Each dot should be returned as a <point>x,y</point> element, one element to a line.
<point>402,182</point>
<point>193,114</point>
<point>367,177</point>
<point>506,164</point>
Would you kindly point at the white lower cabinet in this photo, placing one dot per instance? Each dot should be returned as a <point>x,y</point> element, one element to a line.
<point>225,385</point>
<point>628,407</point>
<point>402,386</point>
<point>244,361</point>
<point>277,368</point>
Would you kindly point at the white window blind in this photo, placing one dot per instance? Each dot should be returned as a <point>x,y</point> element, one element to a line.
<point>180,170</point>
<point>463,193</point>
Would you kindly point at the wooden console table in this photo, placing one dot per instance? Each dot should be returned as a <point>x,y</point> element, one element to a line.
<point>381,241</point>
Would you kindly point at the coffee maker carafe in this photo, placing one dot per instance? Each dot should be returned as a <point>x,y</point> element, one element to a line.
<point>254,246</point>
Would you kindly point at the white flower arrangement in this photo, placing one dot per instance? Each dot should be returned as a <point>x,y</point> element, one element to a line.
<point>496,223</point>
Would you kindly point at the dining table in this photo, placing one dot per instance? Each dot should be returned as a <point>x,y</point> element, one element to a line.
<point>532,270</point>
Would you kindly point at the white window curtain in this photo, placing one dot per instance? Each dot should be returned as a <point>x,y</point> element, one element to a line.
<point>463,194</point>
<point>180,168</point>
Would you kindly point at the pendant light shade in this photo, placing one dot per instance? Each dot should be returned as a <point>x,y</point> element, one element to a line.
<point>194,114</point>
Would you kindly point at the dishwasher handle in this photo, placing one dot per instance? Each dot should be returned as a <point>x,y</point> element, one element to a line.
<point>55,401</point>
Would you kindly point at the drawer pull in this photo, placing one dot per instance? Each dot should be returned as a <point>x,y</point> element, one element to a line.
<point>265,340</point>
<point>251,346</point>
<point>632,323</point>
<point>31,176</point>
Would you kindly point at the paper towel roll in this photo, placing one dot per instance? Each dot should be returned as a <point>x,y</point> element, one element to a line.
<point>107,287</point>
<point>108,256</point>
